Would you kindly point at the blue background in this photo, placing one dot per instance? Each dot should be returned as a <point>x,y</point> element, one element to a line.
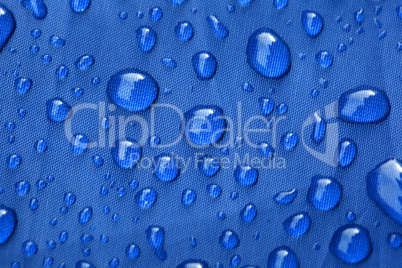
<point>99,32</point>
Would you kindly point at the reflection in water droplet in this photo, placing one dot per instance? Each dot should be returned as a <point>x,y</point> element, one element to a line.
<point>312,23</point>
<point>268,54</point>
<point>132,89</point>
<point>351,243</point>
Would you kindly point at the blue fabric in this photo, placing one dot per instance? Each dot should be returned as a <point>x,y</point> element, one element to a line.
<point>106,196</point>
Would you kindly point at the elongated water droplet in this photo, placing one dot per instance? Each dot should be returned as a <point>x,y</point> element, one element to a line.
<point>359,16</point>
<point>37,7</point>
<point>351,243</point>
<point>282,257</point>
<point>126,153</point>
<point>246,175</point>
<point>266,105</point>
<point>289,140</point>
<point>219,29</point>
<point>285,197</point>
<point>57,110</point>
<point>85,215</point>
<point>204,124</point>
<point>312,23</point>
<point>155,13</point>
<point>364,104</point>
<point>146,38</point>
<point>324,192</point>
<point>79,143</point>
<point>7,25</point>
<point>297,224</point>
<point>156,237</point>
<point>205,65</point>
<point>268,54</point>
<point>318,128</point>
<point>394,240</point>
<point>133,251</point>
<point>347,151</point>
<point>8,220</point>
<point>132,89</point>
<point>249,212</point>
<point>79,6</point>
<point>229,239</point>
<point>188,197</point>
<point>384,187</point>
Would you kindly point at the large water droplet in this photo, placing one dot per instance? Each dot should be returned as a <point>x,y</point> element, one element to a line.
<point>285,197</point>
<point>219,29</point>
<point>8,220</point>
<point>282,257</point>
<point>268,54</point>
<point>167,168</point>
<point>318,128</point>
<point>324,192</point>
<point>193,264</point>
<point>209,165</point>
<point>132,89</point>
<point>249,212</point>
<point>364,104</point>
<point>347,151</point>
<point>146,197</point>
<point>85,215</point>
<point>204,124</point>
<point>246,175</point>
<point>146,38</point>
<point>184,30</point>
<point>229,239</point>
<point>297,224</point>
<point>79,6</point>
<point>57,110</point>
<point>312,23</point>
<point>384,186</point>
<point>351,243</point>
<point>7,25</point>
<point>204,64</point>
<point>37,7</point>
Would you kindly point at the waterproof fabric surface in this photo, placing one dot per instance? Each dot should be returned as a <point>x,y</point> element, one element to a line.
<point>192,232</point>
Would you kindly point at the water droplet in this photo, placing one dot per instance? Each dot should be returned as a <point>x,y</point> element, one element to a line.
<point>382,35</point>
<point>341,47</point>
<point>166,168</point>
<point>285,197</point>
<point>394,240</point>
<point>377,10</point>
<point>79,6</point>
<point>289,140</point>
<point>350,216</point>
<point>155,13</point>
<point>324,192</point>
<point>384,187</point>
<point>146,198</point>
<point>351,243</point>
<point>40,146</point>
<point>29,247</point>
<point>132,89</point>
<point>347,152</point>
<point>282,108</point>
<point>79,143</point>
<point>219,29</point>
<point>214,190</point>
<point>268,54</point>
<point>33,204</point>
<point>193,241</point>
<point>7,24</point>
<point>399,11</point>
<point>221,215</point>
<point>235,260</point>
<point>51,244</point>
<point>22,112</point>
<point>57,41</point>
<point>346,27</point>
<point>46,58</point>
<point>133,184</point>
<point>312,23</point>
<point>37,7</point>
<point>282,257</point>
<point>133,251</point>
<point>123,15</point>
<point>84,62</point>
<point>229,239</point>
<point>146,38</point>
<point>205,65</point>
<point>280,4</point>
<point>204,124</point>
<point>234,195</point>
<point>188,197</point>
<point>248,87</point>
<point>62,72</point>
<point>178,2</point>
<point>69,198</point>
<point>193,264</point>
<point>34,49</point>
<point>249,212</point>
<point>169,62</point>
<point>209,165</point>
<point>22,187</point>
<point>318,129</point>
<point>184,30</point>
<point>156,237</point>
<point>85,215</point>
<point>297,225</point>
<point>266,105</point>
<point>324,58</point>
<point>41,184</point>
<point>63,237</point>
<point>126,153</point>
<point>246,175</point>
<point>8,220</point>
<point>14,161</point>
<point>84,264</point>
<point>23,85</point>
<point>377,23</point>
<point>359,16</point>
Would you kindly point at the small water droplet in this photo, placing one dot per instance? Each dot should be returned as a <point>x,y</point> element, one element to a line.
<point>394,240</point>
<point>280,4</point>
<point>249,212</point>
<point>40,146</point>
<point>214,190</point>
<point>29,247</point>
<point>84,62</point>
<point>347,152</point>
<point>23,85</point>
<point>57,41</point>
<point>146,198</point>
<point>188,197</point>
<point>297,225</point>
<point>205,65</point>
<point>285,197</point>
<point>155,13</point>
<point>312,23</point>
<point>85,215</point>
<point>289,140</point>
<point>79,143</point>
<point>324,193</point>
<point>229,239</point>
<point>246,175</point>
<point>146,38</point>
<point>79,6</point>
<point>324,58</point>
